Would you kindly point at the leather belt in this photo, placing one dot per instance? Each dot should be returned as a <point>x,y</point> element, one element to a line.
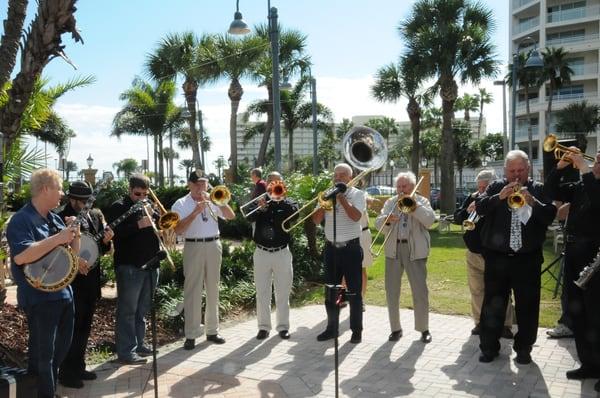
<point>202,239</point>
<point>402,240</point>
<point>271,249</point>
<point>365,228</point>
<point>345,243</point>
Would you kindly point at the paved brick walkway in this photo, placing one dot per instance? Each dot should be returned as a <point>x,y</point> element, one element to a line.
<point>303,367</point>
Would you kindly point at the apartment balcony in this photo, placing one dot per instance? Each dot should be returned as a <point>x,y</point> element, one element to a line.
<point>526,26</point>
<point>573,14</point>
<point>556,99</point>
<point>590,69</point>
<point>573,41</point>
<point>522,132</point>
<point>519,4</point>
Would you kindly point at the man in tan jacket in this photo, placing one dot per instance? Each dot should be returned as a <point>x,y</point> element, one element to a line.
<point>407,250</point>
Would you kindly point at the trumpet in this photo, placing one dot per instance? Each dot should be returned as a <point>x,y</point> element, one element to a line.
<point>516,200</point>
<point>471,222</point>
<point>219,196</point>
<point>168,219</point>
<point>365,149</point>
<point>405,204</point>
<point>552,144</point>
<point>276,192</point>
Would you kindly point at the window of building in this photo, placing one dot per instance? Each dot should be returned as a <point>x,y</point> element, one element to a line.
<point>568,36</point>
<point>577,64</point>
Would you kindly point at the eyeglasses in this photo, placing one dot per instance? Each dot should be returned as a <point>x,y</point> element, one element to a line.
<point>140,193</point>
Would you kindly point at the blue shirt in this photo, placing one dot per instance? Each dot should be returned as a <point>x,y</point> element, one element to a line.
<point>26,227</point>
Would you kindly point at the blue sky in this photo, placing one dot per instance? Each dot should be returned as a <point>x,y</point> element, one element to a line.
<point>347,40</point>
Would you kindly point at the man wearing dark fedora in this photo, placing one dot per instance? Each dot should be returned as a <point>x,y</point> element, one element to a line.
<point>86,286</point>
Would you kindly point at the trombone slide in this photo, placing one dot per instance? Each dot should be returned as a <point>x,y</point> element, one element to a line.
<point>160,242</point>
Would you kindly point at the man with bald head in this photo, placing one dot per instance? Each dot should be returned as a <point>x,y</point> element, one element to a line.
<point>582,241</point>
<point>512,240</point>
<point>343,255</point>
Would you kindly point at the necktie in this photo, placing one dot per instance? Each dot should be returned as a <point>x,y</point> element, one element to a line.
<point>515,231</point>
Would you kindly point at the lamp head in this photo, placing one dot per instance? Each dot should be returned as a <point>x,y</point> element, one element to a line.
<point>238,26</point>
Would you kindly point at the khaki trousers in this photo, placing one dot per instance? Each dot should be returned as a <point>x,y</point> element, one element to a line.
<point>417,279</point>
<point>273,269</point>
<point>475,268</point>
<point>201,269</point>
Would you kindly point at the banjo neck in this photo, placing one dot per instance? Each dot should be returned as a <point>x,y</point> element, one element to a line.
<point>97,237</point>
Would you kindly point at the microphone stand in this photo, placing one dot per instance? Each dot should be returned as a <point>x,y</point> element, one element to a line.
<point>153,328</point>
<point>336,288</point>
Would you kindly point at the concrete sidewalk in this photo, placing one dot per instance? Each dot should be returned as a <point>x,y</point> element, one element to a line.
<point>303,367</point>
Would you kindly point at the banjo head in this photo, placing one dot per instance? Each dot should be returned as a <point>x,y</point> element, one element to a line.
<point>53,272</point>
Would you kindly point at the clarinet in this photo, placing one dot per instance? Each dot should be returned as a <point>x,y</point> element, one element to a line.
<point>588,272</point>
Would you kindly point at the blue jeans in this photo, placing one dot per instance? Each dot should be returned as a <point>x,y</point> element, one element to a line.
<point>133,303</point>
<point>50,332</point>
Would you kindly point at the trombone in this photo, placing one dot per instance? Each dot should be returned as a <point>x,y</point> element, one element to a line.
<point>365,149</point>
<point>168,219</point>
<point>157,232</point>
<point>552,144</point>
<point>405,204</point>
<point>276,192</point>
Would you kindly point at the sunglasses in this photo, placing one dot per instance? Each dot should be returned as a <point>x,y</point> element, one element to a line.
<point>140,193</point>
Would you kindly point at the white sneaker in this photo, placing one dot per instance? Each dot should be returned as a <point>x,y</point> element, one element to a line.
<point>559,332</point>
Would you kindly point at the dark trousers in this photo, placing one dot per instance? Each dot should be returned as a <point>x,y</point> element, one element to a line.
<point>85,306</point>
<point>50,331</point>
<point>521,273</point>
<point>583,304</point>
<point>348,264</point>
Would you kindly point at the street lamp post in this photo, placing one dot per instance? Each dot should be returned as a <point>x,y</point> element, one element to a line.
<point>391,173</point>
<point>90,161</point>
<point>533,62</point>
<point>239,27</point>
<point>313,98</point>
<point>504,130</point>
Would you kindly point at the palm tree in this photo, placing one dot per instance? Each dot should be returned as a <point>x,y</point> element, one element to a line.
<point>9,45</point>
<point>393,81</point>
<point>235,59</point>
<point>557,72</point>
<point>71,166</point>
<point>450,39</point>
<point>292,44</point>
<point>580,118</point>
<point>149,111</point>
<point>467,103</point>
<point>484,98</point>
<point>187,165</point>
<point>386,126</point>
<point>126,166</point>
<point>192,58</point>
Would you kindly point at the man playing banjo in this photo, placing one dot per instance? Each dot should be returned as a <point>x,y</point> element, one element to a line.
<point>86,286</point>
<point>32,233</point>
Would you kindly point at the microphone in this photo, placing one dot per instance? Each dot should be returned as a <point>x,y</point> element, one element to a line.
<point>339,187</point>
<point>154,262</point>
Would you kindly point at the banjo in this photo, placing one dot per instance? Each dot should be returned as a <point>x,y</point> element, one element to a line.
<point>89,248</point>
<point>58,268</point>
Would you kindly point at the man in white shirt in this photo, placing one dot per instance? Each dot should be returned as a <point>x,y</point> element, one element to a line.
<point>407,250</point>
<point>346,252</point>
<point>201,258</point>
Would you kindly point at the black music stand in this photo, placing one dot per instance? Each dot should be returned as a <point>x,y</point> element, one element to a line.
<point>559,278</point>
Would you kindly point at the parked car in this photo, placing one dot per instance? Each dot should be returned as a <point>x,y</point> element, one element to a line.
<point>380,190</point>
<point>434,198</point>
<point>461,195</point>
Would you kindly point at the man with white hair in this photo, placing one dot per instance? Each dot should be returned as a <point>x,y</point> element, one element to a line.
<point>517,215</point>
<point>475,261</point>
<point>407,249</point>
<point>343,255</point>
<point>582,242</point>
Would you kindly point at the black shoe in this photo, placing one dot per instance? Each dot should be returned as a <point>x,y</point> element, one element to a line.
<point>284,334</point>
<point>87,375</point>
<point>475,331</point>
<point>326,335</point>
<point>356,337</point>
<point>597,386</point>
<point>395,336</point>
<point>487,357</point>
<point>71,383</point>
<point>215,338</point>
<point>135,360</point>
<point>507,333</point>
<point>582,373</point>
<point>523,357</point>
<point>426,337</point>
<point>262,334</point>
<point>189,344</point>
<point>144,351</point>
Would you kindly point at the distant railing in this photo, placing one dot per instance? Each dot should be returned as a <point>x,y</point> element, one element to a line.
<point>571,40</point>
<point>585,69</point>
<point>529,24</point>
<point>574,13</point>
<point>521,3</point>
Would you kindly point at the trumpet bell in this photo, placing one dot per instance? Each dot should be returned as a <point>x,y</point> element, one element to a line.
<point>468,225</point>
<point>550,143</point>
<point>516,200</point>
<point>220,195</point>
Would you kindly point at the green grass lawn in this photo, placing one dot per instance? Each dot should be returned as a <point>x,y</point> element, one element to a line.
<point>447,279</point>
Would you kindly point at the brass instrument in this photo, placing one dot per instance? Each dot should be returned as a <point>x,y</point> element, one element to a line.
<point>157,233</point>
<point>276,192</point>
<point>405,204</point>
<point>220,196</point>
<point>471,222</point>
<point>516,200</point>
<point>168,219</point>
<point>552,144</point>
<point>588,272</point>
<point>365,149</point>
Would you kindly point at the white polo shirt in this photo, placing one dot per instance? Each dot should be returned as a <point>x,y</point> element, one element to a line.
<point>347,228</point>
<point>204,225</point>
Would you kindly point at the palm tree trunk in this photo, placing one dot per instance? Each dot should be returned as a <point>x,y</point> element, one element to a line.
<point>291,150</point>
<point>171,182</point>
<point>414,114</point>
<point>235,93</point>
<point>547,130</point>
<point>9,46</point>
<point>481,118</point>
<point>161,168</point>
<point>448,93</point>
<point>190,89</point>
<point>529,132</point>
<point>156,175</point>
<point>262,152</point>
